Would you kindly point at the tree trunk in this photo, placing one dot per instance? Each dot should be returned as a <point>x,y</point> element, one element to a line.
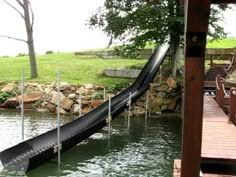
<point>30,41</point>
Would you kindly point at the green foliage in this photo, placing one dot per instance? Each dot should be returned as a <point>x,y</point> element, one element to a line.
<point>49,52</point>
<point>139,22</point>
<point>75,70</point>
<point>21,54</point>
<point>118,86</point>
<point>223,43</point>
<point>5,95</point>
<point>136,66</point>
<point>98,95</point>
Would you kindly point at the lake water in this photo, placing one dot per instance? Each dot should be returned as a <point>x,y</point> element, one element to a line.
<point>145,149</point>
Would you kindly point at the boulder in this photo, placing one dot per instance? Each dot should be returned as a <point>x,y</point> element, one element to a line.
<point>72,95</point>
<point>85,109</point>
<point>51,108</point>
<point>9,87</point>
<point>96,103</point>
<point>75,109</point>
<point>161,95</point>
<point>88,86</point>
<point>66,103</point>
<point>171,82</point>
<point>12,102</point>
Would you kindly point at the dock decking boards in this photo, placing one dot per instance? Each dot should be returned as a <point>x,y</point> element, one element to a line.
<point>218,138</point>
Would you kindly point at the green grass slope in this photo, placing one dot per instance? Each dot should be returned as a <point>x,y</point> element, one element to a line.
<point>223,43</point>
<point>74,70</point>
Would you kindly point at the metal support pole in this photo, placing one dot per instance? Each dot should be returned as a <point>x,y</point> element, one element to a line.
<point>129,111</point>
<point>160,75</point>
<point>147,104</point>
<point>104,94</point>
<point>58,119</point>
<point>80,104</point>
<point>109,117</point>
<point>22,103</point>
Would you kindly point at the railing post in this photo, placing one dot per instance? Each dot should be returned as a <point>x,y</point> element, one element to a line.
<point>221,94</point>
<point>232,108</point>
<point>219,91</point>
<point>217,87</point>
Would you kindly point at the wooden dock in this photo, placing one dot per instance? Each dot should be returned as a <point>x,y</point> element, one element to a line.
<point>218,138</point>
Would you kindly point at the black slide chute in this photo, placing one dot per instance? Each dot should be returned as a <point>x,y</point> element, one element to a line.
<point>33,152</point>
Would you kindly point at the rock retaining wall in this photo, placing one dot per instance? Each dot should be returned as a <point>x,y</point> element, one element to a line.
<point>163,97</point>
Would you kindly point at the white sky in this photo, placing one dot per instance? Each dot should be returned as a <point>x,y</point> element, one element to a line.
<point>60,26</point>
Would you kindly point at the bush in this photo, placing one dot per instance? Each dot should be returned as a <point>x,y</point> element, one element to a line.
<point>5,95</point>
<point>49,52</point>
<point>21,54</point>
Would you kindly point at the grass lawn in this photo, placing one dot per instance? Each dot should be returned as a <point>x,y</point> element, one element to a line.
<point>224,43</point>
<point>74,70</point>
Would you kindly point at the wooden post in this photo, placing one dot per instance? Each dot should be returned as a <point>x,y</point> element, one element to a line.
<point>232,108</point>
<point>196,27</point>
<point>220,94</point>
<point>218,79</point>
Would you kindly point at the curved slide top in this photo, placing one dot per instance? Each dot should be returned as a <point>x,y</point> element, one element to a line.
<point>31,153</point>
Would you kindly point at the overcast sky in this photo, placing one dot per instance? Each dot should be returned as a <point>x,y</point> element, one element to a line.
<point>60,26</point>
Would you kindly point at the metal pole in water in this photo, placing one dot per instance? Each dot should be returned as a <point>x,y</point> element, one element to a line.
<point>58,119</point>
<point>129,112</point>
<point>109,117</point>
<point>147,104</point>
<point>160,76</point>
<point>80,104</point>
<point>104,94</point>
<point>22,103</point>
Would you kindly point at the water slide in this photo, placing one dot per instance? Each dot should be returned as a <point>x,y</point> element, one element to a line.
<point>31,153</point>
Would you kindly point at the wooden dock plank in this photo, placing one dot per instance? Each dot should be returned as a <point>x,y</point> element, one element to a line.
<point>177,168</point>
<point>218,138</point>
<point>219,134</point>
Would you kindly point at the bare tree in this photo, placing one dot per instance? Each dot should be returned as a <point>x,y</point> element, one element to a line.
<point>26,12</point>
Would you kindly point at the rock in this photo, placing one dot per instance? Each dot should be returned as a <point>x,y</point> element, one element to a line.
<point>161,95</point>
<point>9,87</point>
<point>164,107</point>
<point>139,103</point>
<point>161,88</point>
<point>171,82</point>
<point>155,109</point>
<point>172,105</point>
<point>62,111</point>
<point>30,98</point>
<point>12,102</point>
<point>84,102</point>
<point>51,108</point>
<point>157,101</point>
<point>85,109</point>
<point>167,101</point>
<point>89,86</point>
<point>54,95</point>
<point>138,110</point>
<point>72,95</point>
<point>87,97</point>
<point>66,103</point>
<point>75,109</point>
<point>95,103</point>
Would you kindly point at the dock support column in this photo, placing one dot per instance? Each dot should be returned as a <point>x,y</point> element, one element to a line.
<point>196,27</point>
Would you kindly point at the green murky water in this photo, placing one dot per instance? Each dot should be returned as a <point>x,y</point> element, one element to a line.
<point>145,149</point>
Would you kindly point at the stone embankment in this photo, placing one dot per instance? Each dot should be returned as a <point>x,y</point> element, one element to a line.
<point>81,99</point>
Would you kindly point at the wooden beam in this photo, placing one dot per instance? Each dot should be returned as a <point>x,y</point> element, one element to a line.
<point>223,1</point>
<point>196,27</point>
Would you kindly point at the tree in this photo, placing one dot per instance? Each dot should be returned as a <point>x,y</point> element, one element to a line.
<point>27,14</point>
<point>139,22</point>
